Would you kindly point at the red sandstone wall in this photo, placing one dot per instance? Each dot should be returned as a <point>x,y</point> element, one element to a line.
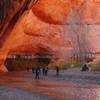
<point>47,23</point>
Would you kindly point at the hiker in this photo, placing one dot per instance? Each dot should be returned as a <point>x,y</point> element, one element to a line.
<point>37,73</point>
<point>33,70</point>
<point>46,70</point>
<point>85,68</point>
<point>57,70</point>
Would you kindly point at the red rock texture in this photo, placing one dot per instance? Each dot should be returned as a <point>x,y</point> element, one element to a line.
<point>45,24</point>
<point>52,12</point>
<point>7,11</point>
<point>31,32</point>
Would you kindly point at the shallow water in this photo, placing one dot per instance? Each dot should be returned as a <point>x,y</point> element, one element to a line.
<point>52,86</point>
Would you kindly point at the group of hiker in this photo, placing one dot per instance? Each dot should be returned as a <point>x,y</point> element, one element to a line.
<point>44,71</point>
<point>84,68</point>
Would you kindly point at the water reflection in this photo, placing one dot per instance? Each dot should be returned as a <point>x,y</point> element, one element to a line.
<point>60,90</point>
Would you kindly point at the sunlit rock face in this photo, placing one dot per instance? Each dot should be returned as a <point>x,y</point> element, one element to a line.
<point>53,12</point>
<point>32,33</point>
<point>54,24</point>
<point>27,33</point>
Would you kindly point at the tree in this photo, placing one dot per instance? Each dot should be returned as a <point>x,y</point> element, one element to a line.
<point>79,29</point>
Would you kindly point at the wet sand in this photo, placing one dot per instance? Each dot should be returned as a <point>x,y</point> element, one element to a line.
<point>9,93</point>
<point>68,86</point>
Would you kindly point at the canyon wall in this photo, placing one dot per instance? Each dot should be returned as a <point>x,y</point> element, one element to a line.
<point>64,26</point>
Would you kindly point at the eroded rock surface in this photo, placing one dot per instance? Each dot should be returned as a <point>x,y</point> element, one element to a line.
<point>47,23</point>
<point>30,31</point>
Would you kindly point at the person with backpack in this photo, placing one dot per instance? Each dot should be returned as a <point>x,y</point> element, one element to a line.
<point>57,70</point>
<point>37,73</point>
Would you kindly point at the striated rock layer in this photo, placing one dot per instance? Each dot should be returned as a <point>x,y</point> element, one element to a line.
<point>46,24</point>
<point>31,33</point>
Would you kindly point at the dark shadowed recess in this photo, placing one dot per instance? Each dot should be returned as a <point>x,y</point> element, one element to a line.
<point>42,57</point>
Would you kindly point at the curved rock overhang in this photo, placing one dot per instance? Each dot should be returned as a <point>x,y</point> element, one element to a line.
<point>21,59</point>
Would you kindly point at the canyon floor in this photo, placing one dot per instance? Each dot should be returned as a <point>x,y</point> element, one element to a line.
<point>71,84</point>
